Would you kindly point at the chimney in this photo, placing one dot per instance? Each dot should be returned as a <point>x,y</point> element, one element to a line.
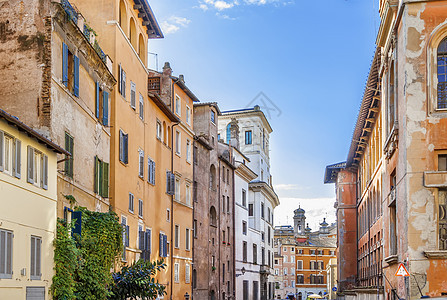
<point>166,84</point>
<point>167,71</point>
<point>181,78</point>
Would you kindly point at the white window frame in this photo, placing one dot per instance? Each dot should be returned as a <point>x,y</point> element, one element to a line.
<point>187,273</point>
<point>4,274</point>
<point>141,163</point>
<point>298,264</point>
<point>188,239</point>
<point>188,194</point>
<point>140,208</point>
<point>178,105</point>
<point>188,115</point>
<point>178,142</point>
<point>188,151</point>
<point>177,236</point>
<point>159,129</point>
<point>8,154</point>
<point>176,272</point>
<point>133,95</point>
<point>168,215</point>
<point>141,108</point>
<point>131,202</point>
<point>177,194</point>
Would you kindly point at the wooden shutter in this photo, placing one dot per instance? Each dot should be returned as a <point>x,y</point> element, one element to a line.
<point>153,172</point>
<point>17,158</point>
<point>149,166</point>
<point>101,177</point>
<point>30,165</point>
<point>97,99</point>
<point>64,64</point>
<point>127,235</point>
<point>160,250</point>
<point>76,76</point>
<point>2,145</point>
<point>165,245</point>
<point>105,108</point>
<point>123,82</point>
<point>105,177</point>
<point>96,177</point>
<point>119,78</point>
<point>141,242</point>
<point>126,148</point>
<point>141,163</point>
<point>121,154</point>
<point>133,93</point>
<point>168,182</point>
<point>45,172</point>
<point>148,241</point>
<point>172,185</point>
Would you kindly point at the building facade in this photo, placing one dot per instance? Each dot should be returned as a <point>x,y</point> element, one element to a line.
<point>28,188</point>
<point>249,130</point>
<point>397,157</point>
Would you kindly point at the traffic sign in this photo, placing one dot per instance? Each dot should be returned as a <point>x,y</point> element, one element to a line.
<point>334,289</point>
<point>402,271</point>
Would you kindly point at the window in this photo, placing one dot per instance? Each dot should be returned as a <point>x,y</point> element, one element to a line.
<point>228,131</point>
<point>70,70</point>
<point>101,178</point>
<point>194,191</point>
<point>223,236</point>
<point>244,251</point>
<point>141,163</point>
<point>170,183</point>
<point>285,271</point>
<point>285,258</point>
<point>121,81</point>
<point>5,253</point>
<point>37,168</point>
<point>262,210</point>
<point>300,279</point>
<point>69,145</point>
<point>131,197</point>
<point>299,264</point>
<point>177,189</point>
<point>168,215</point>
<point>188,115</point>
<point>213,217</point>
<point>35,269</point>
<point>178,106</point>
<point>262,236</point>
<point>145,243</point>
<point>124,141</point>
<point>244,228</point>
<point>163,245</point>
<point>101,105</point>
<point>442,75</point>
<point>255,254</point>
<point>248,137</point>
<point>442,162</point>
<point>133,94</point>
<point>292,259</point>
<point>188,151</point>
<point>177,142</point>
<point>228,204</point>
<point>188,194</point>
<point>187,273</point>
<point>141,107</point>
<point>10,155</point>
<point>125,235</point>
<point>194,228</point>
<point>312,252</point>
<point>244,198</point>
<point>140,208</point>
<point>320,252</point>
<point>150,171</point>
<point>176,272</point>
<point>187,239</point>
<point>177,236</point>
<point>223,173</point>
<point>263,255</point>
<point>213,117</point>
<point>250,209</point>
<point>223,203</point>
<point>223,272</point>
<point>300,251</point>
<point>159,131</point>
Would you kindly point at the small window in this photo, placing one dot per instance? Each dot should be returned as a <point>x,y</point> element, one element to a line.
<point>35,269</point>
<point>188,151</point>
<point>70,70</point>
<point>178,142</point>
<point>150,171</point>
<point>194,229</point>
<point>187,273</point>
<point>188,194</point>
<point>69,146</point>
<point>262,210</point>
<point>159,131</point>
<point>101,178</point>
<point>124,141</point>
<point>141,107</point>
<point>177,189</point>
<point>168,215</point>
<point>248,137</point>
<point>213,118</point>
<point>6,240</point>
<point>188,115</point>
<point>244,251</point>
<point>177,236</point>
<point>442,75</point>
<point>37,168</point>
<point>133,94</point>
<point>187,239</point>
<point>244,228</point>
<point>140,208</point>
<point>178,105</point>
<point>122,81</point>
<point>176,272</point>
<point>141,163</point>
<point>244,198</point>
<point>250,209</point>
<point>442,162</point>
<point>131,197</point>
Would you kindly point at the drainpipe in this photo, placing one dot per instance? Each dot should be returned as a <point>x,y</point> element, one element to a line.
<point>234,236</point>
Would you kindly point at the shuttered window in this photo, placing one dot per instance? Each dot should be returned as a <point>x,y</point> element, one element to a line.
<point>37,168</point>
<point>133,94</point>
<point>75,76</point>
<point>70,70</point>
<point>101,174</point>
<point>170,183</point>
<point>131,197</point>
<point>35,269</point>
<point>145,242</point>
<point>141,163</point>
<point>141,107</point>
<point>187,239</point>
<point>10,155</point>
<point>140,208</point>
<point>124,139</point>
<point>17,159</point>
<point>121,81</point>
<point>176,272</point>
<point>151,171</point>
<point>187,273</point>
<point>6,237</point>
<point>69,146</point>
<point>105,108</point>
<point>125,236</point>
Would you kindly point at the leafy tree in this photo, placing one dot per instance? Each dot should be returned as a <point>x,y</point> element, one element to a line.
<point>137,281</point>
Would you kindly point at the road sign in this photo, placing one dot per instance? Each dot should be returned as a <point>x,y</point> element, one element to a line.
<point>334,289</point>
<point>402,271</point>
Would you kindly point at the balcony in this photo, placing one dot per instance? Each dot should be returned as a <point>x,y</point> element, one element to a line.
<point>265,270</point>
<point>435,179</point>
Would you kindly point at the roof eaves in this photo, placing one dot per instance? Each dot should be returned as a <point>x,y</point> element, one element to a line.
<point>163,107</point>
<point>149,20</point>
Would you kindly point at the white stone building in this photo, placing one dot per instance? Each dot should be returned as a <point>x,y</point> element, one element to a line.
<point>248,130</point>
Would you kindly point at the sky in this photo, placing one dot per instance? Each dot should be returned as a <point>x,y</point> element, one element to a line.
<point>309,58</point>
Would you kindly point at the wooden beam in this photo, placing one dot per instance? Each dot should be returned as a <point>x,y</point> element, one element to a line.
<point>377,97</point>
<point>371,120</point>
<point>145,23</point>
<point>137,6</point>
<point>374,109</point>
<point>141,15</point>
<point>367,129</point>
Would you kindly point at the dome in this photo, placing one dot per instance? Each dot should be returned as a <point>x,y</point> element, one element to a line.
<point>324,224</point>
<point>299,211</point>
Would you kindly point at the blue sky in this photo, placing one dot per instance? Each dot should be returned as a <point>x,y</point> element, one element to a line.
<point>310,58</point>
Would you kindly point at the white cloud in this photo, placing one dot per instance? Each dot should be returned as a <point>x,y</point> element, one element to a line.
<point>221,5</point>
<point>224,16</point>
<point>173,24</point>
<point>203,7</point>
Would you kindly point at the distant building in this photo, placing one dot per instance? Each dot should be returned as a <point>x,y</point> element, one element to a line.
<point>248,131</point>
<point>280,288</point>
<point>305,256</point>
<point>28,214</point>
<point>331,271</point>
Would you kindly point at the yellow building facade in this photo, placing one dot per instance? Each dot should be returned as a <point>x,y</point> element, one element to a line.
<point>28,215</point>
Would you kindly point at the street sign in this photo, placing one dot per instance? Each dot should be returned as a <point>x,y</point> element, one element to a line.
<point>402,271</point>
<point>334,289</point>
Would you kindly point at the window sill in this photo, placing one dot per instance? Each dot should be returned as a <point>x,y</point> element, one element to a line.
<point>391,260</point>
<point>436,254</point>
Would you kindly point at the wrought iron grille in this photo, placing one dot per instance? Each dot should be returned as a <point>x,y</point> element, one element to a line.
<point>442,221</point>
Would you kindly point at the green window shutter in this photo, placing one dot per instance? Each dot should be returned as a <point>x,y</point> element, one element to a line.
<point>105,188</point>
<point>17,159</point>
<point>101,178</point>
<point>69,159</point>
<point>95,172</point>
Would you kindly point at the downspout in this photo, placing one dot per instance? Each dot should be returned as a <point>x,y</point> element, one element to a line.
<point>357,224</point>
<point>234,237</point>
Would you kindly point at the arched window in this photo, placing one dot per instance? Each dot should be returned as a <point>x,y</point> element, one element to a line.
<point>228,133</point>
<point>213,216</point>
<point>142,49</point>
<point>123,17</point>
<point>212,177</point>
<point>133,34</point>
<point>442,74</point>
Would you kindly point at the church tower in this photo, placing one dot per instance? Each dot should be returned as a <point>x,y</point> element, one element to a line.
<point>299,220</point>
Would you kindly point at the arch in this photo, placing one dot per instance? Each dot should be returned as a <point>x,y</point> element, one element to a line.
<point>123,16</point>
<point>213,216</point>
<point>142,49</point>
<point>133,33</point>
<point>212,177</point>
<point>165,134</point>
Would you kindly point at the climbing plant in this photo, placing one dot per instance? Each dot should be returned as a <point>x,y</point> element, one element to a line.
<point>137,281</point>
